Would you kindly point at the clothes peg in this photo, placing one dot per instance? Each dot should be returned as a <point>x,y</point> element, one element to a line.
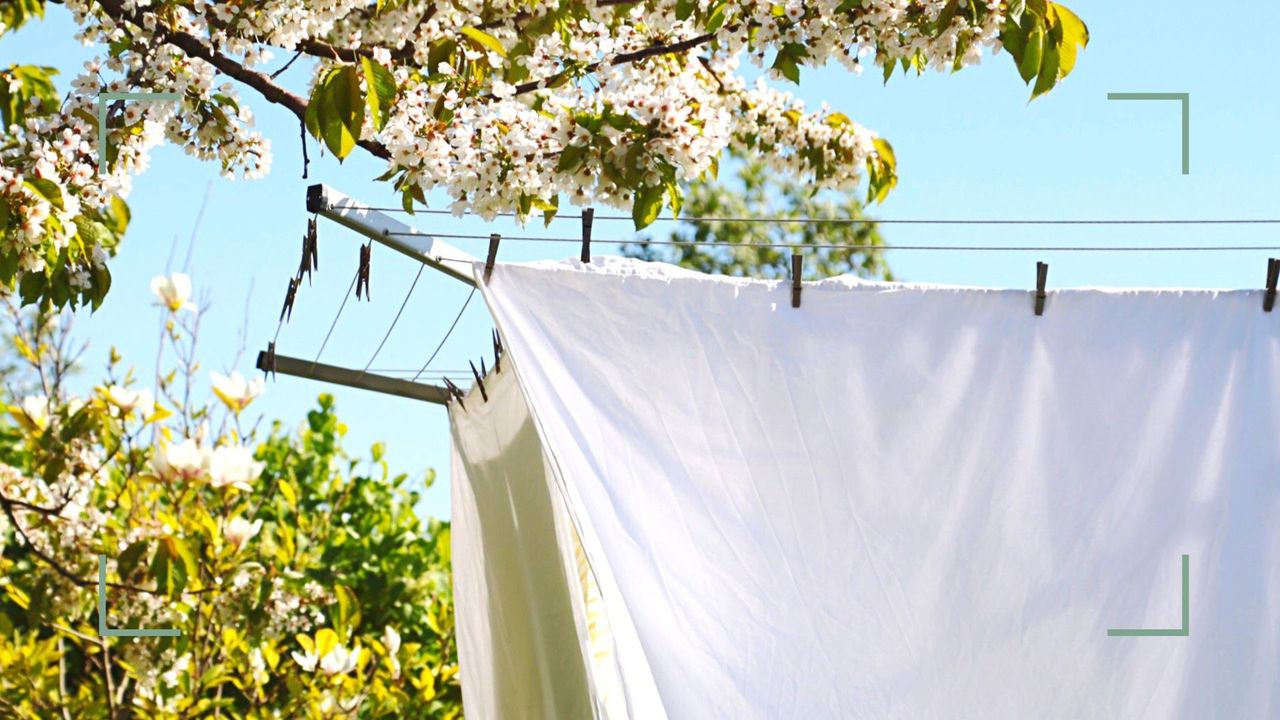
<point>267,361</point>
<point>497,351</point>
<point>362,274</point>
<point>494,239</point>
<point>290,295</point>
<point>310,259</point>
<point>797,269</point>
<point>1273,274</point>
<point>455,392</point>
<point>479,381</point>
<point>1042,277</point>
<point>588,216</point>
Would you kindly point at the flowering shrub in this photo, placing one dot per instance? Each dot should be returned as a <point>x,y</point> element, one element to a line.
<point>502,105</point>
<point>301,580</point>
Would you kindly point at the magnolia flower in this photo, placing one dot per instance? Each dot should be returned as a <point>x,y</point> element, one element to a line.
<point>391,639</point>
<point>307,660</point>
<point>36,410</point>
<point>234,391</point>
<point>340,660</point>
<point>173,291</point>
<point>239,531</point>
<point>129,400</point>
<point>185,460</point>
<point>233,466</point>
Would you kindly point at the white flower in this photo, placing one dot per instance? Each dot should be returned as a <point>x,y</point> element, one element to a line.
<point>234,391</point>
<point>391,639</point>
<point>129,400</point>
<point>173,291</point>
<point>36,410</point>
<point>233,466</point>
<point>307,661</point>
<point>239,531</point>
<point>340,660</point>
<point>185,460</point>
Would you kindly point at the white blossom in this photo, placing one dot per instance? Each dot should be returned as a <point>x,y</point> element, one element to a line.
<point>233,466</point>
<point>234,391</point>
<point>239,531</point>
<point>173,291</point>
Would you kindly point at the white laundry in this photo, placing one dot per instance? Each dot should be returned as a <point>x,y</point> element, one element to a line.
<point>896,501</point>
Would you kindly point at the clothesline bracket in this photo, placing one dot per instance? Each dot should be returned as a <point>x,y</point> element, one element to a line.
<point>1042,278</point>
<point>380,227</point>
<point>270,362</point>
<point>1273,274</point>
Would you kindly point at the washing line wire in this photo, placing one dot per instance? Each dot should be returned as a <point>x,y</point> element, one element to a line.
<point>447,333</point>
<point>819,246</point>
<point>892,221</point>
<point>334,324</point>
<point>394,320</point>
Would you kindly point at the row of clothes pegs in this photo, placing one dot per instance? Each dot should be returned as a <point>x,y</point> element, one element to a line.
<point>456,393</point>
<point>311,262</point>
<point>1042,278</point>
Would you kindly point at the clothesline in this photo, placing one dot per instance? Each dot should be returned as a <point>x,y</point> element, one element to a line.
<point>892,221</point>
<point>818,246</point>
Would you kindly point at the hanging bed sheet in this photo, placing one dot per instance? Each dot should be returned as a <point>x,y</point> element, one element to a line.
<point>895,501</point>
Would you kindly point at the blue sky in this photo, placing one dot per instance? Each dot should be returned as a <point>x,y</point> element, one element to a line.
<point>969,146</point>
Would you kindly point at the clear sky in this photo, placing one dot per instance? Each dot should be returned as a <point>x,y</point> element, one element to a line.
<point>969,146</point>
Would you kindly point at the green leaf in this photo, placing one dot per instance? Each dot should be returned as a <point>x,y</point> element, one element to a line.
<point>484,40</point>
<point>571,158</point>
<point>1072,35</point>
<point>380,91</point>
<point>340,113</point>
<point>47,189</point>
<point>1048,73</point>
<point>1029,66</point>
<point>129,559</point>
<point>647,205</point>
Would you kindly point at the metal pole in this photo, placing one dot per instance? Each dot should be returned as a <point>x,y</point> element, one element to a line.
<point>353,378</point>
<point>381,227</point>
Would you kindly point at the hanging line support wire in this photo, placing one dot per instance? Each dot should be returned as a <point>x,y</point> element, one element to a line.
<point>935,248</point>
<point>446,335</point>
<point>394,320</point>
<point>334,324</point>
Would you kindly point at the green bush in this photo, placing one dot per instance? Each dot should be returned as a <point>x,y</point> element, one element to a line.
<point>301,579</point>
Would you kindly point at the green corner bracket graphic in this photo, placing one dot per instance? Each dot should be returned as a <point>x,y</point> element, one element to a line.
<point>105,631</point>
<point>1185,99</point>
<point>107,97</point>
<point>1183,631</point>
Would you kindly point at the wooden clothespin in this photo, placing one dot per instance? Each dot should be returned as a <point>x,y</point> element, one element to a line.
<point>455,392</point>
<point>479,381</point>
<point>494,239</point>
<point>1273,274</point>
<point>267,361</point>
<point>1042,277</point>
<point>310,256</point>
<point>362,274</point>
<point>497,351</point>
<point>588,216</point>
<point>797,269</point>
<point>290,295</point>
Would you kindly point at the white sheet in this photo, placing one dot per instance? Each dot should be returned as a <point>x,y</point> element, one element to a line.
<point>915,502</point>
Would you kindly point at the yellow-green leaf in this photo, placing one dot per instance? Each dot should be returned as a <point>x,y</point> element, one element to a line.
<point>484,40</point>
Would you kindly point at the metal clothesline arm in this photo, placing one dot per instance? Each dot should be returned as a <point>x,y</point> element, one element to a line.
<point>352,378</point>
<point>383,228</point>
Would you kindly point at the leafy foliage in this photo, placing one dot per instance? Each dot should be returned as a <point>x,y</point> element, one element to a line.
<point>497,105</point>
<point>753,198</point>
<point>302,580</point>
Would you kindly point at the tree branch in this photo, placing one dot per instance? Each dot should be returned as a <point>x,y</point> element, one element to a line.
<point>197,48</point>
<point>623,59</point>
